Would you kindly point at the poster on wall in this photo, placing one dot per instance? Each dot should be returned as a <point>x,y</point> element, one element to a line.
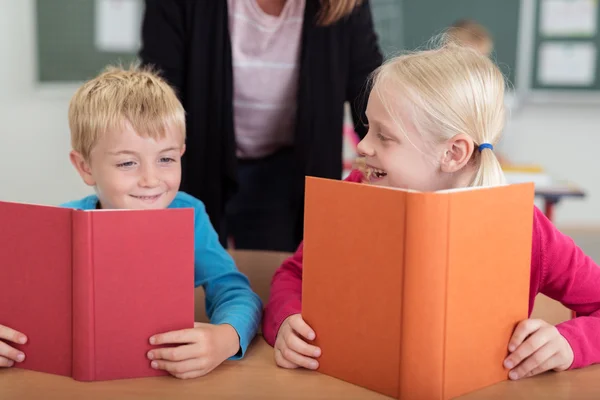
<point>568,18</point>
<point>567,63</point>
<point>117,25</point>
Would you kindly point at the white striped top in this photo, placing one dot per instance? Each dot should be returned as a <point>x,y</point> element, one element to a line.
<point>265,55</point>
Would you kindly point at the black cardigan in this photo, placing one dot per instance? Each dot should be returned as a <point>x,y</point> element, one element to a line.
<point>188,41</point>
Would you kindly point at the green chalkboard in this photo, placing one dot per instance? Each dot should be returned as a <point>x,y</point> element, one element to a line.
<point>388,21</point>
<point>420,20</point>
<point>67,53</point>
<point>66,50</point>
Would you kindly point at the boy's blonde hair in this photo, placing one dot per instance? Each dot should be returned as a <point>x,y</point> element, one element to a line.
<point>118,96</point>
<point>450,90</point>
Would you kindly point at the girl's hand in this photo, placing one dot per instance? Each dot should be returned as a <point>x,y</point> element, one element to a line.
<point>536,347</point>
<point>291,351</point>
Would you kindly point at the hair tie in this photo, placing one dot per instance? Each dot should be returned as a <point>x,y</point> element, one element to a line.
<point>485,146</point>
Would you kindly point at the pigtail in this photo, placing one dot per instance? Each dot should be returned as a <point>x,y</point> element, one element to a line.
<point>489,172</point>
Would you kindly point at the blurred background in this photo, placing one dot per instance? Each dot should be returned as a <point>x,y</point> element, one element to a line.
<point>546,48</point>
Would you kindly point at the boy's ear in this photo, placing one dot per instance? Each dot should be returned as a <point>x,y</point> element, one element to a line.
<point>83,167</point>
<point>182,151</point>
<point>457,153</point>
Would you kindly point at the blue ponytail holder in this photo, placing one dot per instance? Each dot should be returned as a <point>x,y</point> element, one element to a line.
<point>485,146</point>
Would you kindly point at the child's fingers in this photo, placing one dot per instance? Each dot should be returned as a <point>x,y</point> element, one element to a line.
<point>524,329</point>
<point>298,325</point>
<point>298,359</point>
<point>5,362</point>
<point>547,365</point>
<point>11,353</point>
<point>12,335</point>
<point>532,362</point>
<point>527,348</point>
<point>191,374</point>
<point>300,346</point>
<point>282,362</point>
<point>179,353</point>
<point>175,337</point>
<point>179,367</point>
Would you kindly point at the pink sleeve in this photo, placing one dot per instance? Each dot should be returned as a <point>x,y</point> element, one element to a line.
<point>571,277</point>
<point>286,295</point>
<point>286,288</point>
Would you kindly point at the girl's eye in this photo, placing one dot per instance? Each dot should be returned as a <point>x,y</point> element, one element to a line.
<point>126,164</point>
<point>381,137</point>
<point>167,160</point>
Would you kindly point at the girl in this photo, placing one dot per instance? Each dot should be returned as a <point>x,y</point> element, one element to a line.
<point>434,119</point>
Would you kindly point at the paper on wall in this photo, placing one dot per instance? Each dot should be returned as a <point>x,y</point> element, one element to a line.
<point>567,63</point>
<point>118,25</point>
<point>568,17</point>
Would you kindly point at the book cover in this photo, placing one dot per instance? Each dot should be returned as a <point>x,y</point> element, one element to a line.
<point>89,288</point>
<point>415,295</point>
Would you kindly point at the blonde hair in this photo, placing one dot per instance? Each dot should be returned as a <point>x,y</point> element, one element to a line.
<point>450,90</point>
<point>468,32</point>
<point>333,10</point>
<point>118,96</point>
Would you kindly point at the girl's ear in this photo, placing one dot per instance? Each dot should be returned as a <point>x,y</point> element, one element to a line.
<point>457,153</point>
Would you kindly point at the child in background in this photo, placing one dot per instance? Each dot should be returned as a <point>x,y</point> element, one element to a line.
<point>128,136</point>
<point>469,33</point>
<point>434,119</point>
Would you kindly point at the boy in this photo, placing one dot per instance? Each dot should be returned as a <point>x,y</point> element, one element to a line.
<point>128,136</point>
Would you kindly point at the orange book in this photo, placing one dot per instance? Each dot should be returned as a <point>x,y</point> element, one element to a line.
<point>416,294</point>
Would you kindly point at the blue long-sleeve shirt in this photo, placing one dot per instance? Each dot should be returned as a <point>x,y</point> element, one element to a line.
<point>229,298</point>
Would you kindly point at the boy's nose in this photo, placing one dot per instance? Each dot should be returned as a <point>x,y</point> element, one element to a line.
<point>149,178</point>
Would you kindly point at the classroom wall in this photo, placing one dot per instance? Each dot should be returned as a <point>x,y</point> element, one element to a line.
<point>565,140</point>
<point>34,135</point>
<point>34,139</point>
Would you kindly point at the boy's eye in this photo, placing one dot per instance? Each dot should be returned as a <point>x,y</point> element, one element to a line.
<point>167,160</point>
<point>126,164</point>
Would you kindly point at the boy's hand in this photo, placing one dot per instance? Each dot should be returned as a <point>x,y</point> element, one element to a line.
<point>536,347</point>
<point>291,351</point>
<point>201,349</point>
<point>10,355</point>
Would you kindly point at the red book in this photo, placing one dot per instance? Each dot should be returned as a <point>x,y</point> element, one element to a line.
<point>89,288</point>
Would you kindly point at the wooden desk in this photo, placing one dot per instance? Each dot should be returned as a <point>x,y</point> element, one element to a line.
<point>547,188</point>
<point>257,377</point>
<point>552,195</point>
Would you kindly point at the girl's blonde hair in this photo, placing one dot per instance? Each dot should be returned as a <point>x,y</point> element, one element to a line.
<point>332,11</point>
<point>450,90</point>
<point>118,96</point>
